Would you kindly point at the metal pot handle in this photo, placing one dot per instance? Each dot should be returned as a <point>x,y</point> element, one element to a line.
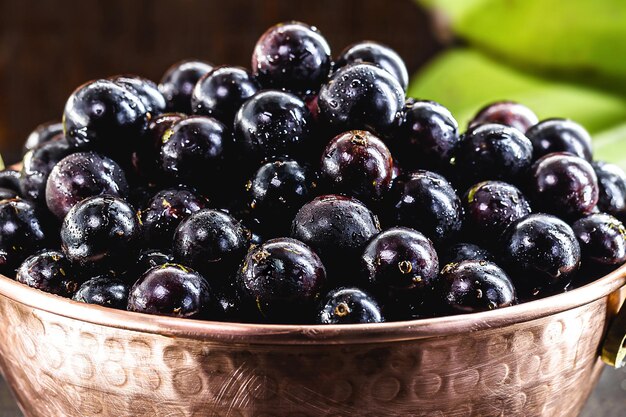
<point>614,346</point>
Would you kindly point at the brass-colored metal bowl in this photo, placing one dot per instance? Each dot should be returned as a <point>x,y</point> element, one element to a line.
<point>542,358</point>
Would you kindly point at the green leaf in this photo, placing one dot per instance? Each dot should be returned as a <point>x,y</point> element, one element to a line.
<point>583,40</point>
<point>465,80</point>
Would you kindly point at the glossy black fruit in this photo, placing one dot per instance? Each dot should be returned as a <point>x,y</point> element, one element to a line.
<point>283,278</point>
<point>147,259</point>
<point>564,185</point>
<point>42,133</point>
<point>400,259</point>
<point>48,271</point>
<point>428,136</point>
<point>105,291</point>
<point>473,286</point>
<point>172,290</point>
<point>541,253</point>
<point>378,54</point>
<point>147,91</point>
<point>272,124</point>
<point>611,189</point>
<point>10,178</point>
<point>349,306</point>
<point>464,252</point>
<point>164,212</point>
<point>81,175</point>
<point>193,149</point>
<point>6,193</point>
<point>36,167</point>
<point>222,91</point>
<point>490,207</point>
<point>508,113</point>
<point>22,233</point>
<point>178,83</point>
<point>104,116</point>
<point>427,202</point>
<point>277,190</point>
<point>358,164</point>
<point>101,233</point>
<point>492,152</point>
<point>361,97</point>
<point>602,239</point>
<point>560,135</point>
<point>292,56</point>
<point>211,242</point>
<point>337,228</point>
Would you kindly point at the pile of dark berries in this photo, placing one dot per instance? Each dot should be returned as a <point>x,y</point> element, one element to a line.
<point>307,190</point>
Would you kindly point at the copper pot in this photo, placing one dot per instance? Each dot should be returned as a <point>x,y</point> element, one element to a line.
<point>542,358</point>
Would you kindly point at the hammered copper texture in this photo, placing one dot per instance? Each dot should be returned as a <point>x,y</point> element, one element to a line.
<point>65,367</point>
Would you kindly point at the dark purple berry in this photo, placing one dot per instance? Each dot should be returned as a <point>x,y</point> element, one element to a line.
<point>178,83</point>
<point>148,258</point>
<point>358,164</point>
<point>100,233</point>
<point>506,113</point>
<point>349,306</point>
<point>292,56</point>
<point>49,271</point>
<point>81,175</point>
<point>541,252</point>
<point>464,252</point>
<point>172,290</point>
<point>42,133</point>
<point>147,91</point>
<point>602,239</point>
<point>378,54</point>
<point>6,194</point>
<point>283,278</point>
<point>611,189</point>
<point>361,97</point>
<point>474,286</point>
<point>563,184</point>
<point>560,135</point>
<point>10,178</point>
<point>105,291</point>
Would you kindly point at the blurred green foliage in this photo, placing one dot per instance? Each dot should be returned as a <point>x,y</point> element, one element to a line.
<point>561,58</point>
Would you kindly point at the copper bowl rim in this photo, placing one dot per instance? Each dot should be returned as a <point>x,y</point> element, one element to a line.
<point>278,334</point>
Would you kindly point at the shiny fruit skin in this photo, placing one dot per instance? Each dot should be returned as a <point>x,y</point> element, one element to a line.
<point>283,277</point>
<point>292,56</point>
<point>474,286</point>
<point>81,175</point>
<point>427,137</point>
<point>105,291</point>
<point>273,124</point>
<point>400,258</point>
<point>560,135</point>
<point>602,239</point>
<point>37,165</point>
<point>349,306</point>
<point>104,116</point>
<point>148,258</point>
<point>612,189</point>
<point>172,290</point>
<point>178,83</point>
<point>100,233</point>
<point>564,185</point>
<point>7,194</point>
<point>378,54</point>
<point>147,91</point>
<point>42,133</point>
<point>164,212</point>
<point>541,253</point>
<point>221,92</point>
<point>508,113</point>
<point>464,252</point>
<point>426,201</point>
<point>22,233</point>
<point>10,178</point>
<point>211,242</point>
<point>361,97</point>
<point>358,164</point>
<point>337,228</point>
<point>490,207</point>
<point>48,271</point>
<point>192,149</point>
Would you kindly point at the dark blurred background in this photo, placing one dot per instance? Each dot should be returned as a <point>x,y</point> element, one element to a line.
<point>48,48</point>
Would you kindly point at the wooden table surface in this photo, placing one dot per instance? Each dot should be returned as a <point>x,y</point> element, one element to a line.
<point>608,399</point>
